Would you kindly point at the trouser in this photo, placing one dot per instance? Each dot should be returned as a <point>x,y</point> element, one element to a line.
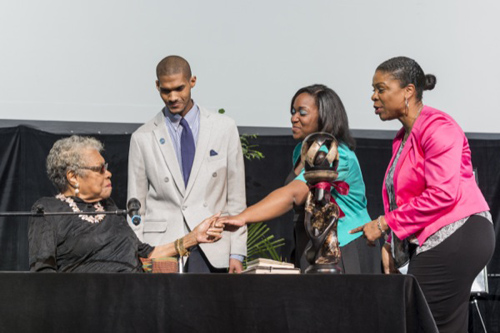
<point>198,263</point>
<point>446,272</point>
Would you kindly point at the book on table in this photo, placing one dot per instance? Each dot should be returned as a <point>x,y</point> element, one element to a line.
<point>270,270</point>
<point>263,262</point>
<point>269,266</point>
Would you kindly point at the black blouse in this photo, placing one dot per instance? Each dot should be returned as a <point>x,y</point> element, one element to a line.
<point>70,244</point>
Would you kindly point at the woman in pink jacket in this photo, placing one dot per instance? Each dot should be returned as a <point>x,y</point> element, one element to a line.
<point>436,215</point>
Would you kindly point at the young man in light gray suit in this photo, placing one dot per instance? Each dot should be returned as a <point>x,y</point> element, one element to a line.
<point>177,191</point>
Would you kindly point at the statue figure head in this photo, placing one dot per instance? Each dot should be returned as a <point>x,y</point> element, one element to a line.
<point>320,164</point>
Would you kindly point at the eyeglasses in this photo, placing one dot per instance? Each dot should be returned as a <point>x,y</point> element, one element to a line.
<point>100,168</point>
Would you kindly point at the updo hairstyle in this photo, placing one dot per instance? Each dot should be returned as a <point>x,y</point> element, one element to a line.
<point>408,71</point>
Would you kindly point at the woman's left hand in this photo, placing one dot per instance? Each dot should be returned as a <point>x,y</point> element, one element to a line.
<point>371,230</point>
<point>210,230</point>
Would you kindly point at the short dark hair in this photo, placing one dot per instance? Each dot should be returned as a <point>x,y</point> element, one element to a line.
<point>408,71</point>
<point>332,116</point>
<point>173,65</point>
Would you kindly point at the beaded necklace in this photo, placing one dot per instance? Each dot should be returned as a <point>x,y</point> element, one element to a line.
<point>92,219</point>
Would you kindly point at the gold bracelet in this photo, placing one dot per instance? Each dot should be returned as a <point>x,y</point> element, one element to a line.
<point>379,225</point>
<point>179,247</point>
<point>176,245</point>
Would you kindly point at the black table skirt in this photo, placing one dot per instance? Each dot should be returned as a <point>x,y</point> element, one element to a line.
<point>36,302</point>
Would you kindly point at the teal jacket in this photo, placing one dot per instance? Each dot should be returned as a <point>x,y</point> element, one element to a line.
<point>354,203</point>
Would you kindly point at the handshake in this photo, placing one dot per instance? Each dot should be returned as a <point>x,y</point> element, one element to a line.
<point>210,230</point>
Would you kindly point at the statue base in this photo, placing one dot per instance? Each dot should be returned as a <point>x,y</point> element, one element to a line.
<point>324,269</point>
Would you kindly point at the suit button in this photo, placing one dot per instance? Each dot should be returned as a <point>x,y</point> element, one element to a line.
<point>205,204</point>
<point>166,179</point>
<point>184,207</point>
<point>214,174</point>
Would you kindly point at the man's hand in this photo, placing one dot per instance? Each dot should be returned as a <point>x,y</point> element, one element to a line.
<point>235,266</point>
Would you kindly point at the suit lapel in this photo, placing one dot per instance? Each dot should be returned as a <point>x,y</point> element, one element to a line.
<point>402,156</point>
<point>201,147</point>
<point>164,142</point>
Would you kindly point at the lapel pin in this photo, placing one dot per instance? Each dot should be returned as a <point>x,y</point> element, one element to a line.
<point>162,141</point>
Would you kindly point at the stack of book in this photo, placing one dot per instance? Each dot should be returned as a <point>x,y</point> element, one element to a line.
<point>268,266</point>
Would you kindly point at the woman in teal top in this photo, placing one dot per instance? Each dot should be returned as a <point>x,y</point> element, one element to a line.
<point>354,204</point>
<point>313,109</point>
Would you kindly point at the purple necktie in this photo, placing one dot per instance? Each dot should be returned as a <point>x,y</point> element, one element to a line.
<point>187,150</point>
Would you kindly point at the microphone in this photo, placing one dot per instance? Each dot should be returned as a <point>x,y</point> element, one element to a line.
<point>38,210</point>
<point>133,206</point>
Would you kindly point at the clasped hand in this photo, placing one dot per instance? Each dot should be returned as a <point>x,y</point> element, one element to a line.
<point>210,230</point>
<point>232,223</point>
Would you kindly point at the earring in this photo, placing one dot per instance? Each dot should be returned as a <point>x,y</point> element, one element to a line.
<point>407,107</point>
<point>77,189</point>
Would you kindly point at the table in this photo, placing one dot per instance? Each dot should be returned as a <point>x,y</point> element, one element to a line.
<point>44,302</point>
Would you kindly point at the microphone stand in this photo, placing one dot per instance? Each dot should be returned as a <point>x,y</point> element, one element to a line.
<point>41,212</point>
<point>133,211</point>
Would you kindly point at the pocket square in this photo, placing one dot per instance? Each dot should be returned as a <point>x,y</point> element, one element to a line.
<point>213,153</point>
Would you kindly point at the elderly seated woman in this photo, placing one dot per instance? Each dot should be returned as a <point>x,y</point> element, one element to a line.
<point>92,243</point>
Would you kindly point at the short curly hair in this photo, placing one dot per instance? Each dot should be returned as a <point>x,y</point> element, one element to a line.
<point>66,155</point>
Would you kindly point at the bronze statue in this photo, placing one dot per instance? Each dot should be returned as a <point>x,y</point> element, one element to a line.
<point>321,210</point>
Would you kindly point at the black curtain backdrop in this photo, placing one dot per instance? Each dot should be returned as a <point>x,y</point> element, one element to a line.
<point>25,145</point>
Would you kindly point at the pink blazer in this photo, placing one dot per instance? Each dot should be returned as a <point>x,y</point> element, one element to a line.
<point>433,180</point>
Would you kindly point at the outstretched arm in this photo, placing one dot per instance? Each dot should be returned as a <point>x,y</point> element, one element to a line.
<point>274,205</point>
<point>208,231</point>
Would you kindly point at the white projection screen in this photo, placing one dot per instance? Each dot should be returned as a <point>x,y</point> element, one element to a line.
<point>94,61</point>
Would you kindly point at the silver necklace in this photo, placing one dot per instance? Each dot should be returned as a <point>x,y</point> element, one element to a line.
<point>92,219</point>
